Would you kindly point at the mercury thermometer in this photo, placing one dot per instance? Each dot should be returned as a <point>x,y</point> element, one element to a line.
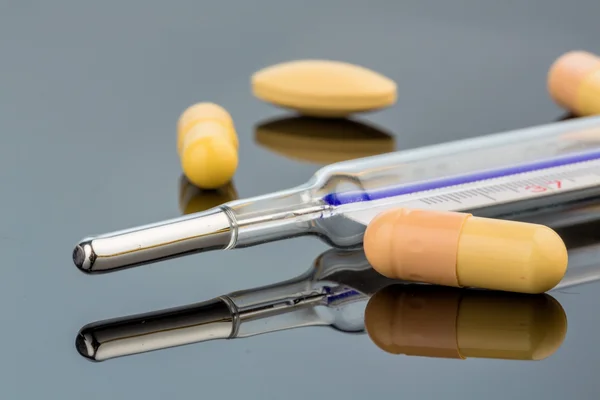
<point>504,175</point>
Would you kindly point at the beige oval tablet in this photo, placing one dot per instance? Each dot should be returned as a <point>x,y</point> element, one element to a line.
<point>324,88</point>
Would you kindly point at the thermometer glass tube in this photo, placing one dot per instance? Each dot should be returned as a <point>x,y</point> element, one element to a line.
<point>491,176</point>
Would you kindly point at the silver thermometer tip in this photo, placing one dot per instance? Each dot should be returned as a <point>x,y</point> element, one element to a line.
<point>135,334</point>
<point>209,230</point>
<point>84,256</point>
<point>86,346</point>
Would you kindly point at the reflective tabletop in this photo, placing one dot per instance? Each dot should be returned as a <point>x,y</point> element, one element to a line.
<point>89,98</point>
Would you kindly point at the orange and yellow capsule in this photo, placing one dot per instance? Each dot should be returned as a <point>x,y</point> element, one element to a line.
<point>574,82</point>
<point>460,250</point>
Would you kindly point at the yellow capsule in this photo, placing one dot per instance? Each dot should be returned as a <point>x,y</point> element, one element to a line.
<point>323,88</point>
<point>458,249</point>
<point>207,145</point>
<point>430,321</point>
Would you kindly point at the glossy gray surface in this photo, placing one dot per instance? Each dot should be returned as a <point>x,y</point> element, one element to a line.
<point>89,97</point>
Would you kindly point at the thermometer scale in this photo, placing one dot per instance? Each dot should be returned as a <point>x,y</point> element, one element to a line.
<point>550,178</point>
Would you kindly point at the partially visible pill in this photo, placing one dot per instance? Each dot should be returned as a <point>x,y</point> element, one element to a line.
<point>458,249</point>
<point>574,82</point>
<point>192,199</point>
<point>430,321</point>
<point>323,88</point>
<point>207,145</point>
<point>323,141</point>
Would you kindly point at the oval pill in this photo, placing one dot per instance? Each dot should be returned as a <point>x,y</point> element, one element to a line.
<point>458,249</point>
<point>323,88</point>
<point>574,82</point>
<point>207,145</point>
<point>430,321</point>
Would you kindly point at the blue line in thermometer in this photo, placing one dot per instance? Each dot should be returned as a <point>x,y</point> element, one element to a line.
<point>336,199</point>
<point>342,295</point>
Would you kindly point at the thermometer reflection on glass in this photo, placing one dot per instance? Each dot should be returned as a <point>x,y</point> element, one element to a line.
<point>333,292</point>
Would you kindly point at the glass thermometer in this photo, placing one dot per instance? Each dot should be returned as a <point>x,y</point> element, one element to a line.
<point>501,176</point>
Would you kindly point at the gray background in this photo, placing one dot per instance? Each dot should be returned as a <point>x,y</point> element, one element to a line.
<point>89,96</point>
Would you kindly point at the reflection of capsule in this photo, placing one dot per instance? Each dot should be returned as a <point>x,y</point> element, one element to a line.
<point>192,199</point>
<point>428,321</point>
<point>323,141</point>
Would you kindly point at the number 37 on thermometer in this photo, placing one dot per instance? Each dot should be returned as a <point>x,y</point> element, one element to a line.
<point>550,185</point>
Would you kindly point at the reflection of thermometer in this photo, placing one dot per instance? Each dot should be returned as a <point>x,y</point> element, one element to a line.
<point>495,176</point>
<point>335,291</point>
<point>411,319</point>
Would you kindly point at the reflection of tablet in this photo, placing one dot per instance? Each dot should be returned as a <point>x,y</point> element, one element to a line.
<point>586,135</point>
<point>193,199</point>
<point>323,141</point>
